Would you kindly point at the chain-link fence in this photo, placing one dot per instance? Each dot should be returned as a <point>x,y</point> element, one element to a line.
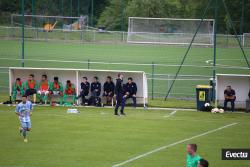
<point>88,35</point>
<point>83,49</point>
<point>158,83</point>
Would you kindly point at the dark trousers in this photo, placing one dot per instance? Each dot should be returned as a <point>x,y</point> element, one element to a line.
<point>128,97</point>
<point>95,99</point>
<point>119,103</point>
<point>232,103</point>
<point>108,96</point>
<point>83,96</point>
<point>29,92</point>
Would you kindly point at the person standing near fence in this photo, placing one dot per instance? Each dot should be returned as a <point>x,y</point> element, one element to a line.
<point>119,92</point>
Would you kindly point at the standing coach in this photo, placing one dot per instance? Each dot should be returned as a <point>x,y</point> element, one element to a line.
<point>119,94</point>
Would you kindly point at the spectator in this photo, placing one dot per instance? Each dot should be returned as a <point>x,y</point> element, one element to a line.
<point>192,158</point>
<point>130,90</point>
<point>18,88</point>
<point>84,90</point>
<point>108,90</point>
<point>31,87</point>
<point>229,95</point>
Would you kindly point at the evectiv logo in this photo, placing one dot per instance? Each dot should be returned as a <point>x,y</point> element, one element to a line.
<point>235,154</point>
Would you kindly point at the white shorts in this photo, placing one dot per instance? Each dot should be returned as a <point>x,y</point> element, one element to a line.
<point>43,92</point>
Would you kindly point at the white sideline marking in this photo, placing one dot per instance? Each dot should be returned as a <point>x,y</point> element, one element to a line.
<point>170,114</point>
<point>171,145</point>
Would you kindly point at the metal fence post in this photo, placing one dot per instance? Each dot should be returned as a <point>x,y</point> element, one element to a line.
<point>152,80</point>
<point>88,64</point>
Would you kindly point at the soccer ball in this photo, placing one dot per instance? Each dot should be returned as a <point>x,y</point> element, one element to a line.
<point>207,104</point>
<point>221,111</point>
<point>215,110</point>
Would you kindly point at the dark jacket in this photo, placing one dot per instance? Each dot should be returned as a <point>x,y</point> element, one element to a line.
<point>119,87</point>
<point>229,93</point>
<point>131,88</point>
<point>96,85</point>
<point>85,87</point>
<point>109,87</point>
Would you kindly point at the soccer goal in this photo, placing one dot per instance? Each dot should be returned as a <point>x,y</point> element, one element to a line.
<point>48,23</point>
<point>169,31</point>
<point>239,82</point>
<point>246,40</point>
<point>76,75</point>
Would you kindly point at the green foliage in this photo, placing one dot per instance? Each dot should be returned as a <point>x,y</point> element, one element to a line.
<point>113,14</point>
<point>112,20</point>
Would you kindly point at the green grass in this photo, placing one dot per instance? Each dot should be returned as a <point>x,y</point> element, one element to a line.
<point>97,138</point>
<point>126,53</point>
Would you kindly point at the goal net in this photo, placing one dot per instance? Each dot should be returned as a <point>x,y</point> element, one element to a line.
<point>169,31</point>
<point>48,23</point>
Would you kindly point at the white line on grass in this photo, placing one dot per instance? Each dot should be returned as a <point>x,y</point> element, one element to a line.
<point>171,145</point>
<point>170,114</point>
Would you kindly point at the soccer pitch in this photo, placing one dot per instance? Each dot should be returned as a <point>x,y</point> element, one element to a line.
<point>95,137</point>
<point>132,57</point>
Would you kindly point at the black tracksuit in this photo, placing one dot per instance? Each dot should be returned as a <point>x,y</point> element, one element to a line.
<point>109,88</point>
<point>131,89</point>
<point>95,95</point>
<point>119,95</point>
<point>94,86</point>
<point>84,91</point>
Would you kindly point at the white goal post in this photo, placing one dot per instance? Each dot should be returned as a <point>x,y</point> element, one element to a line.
<point>246,40</point>
<point>239,82</point>
<point>169,31</point>
<point>75,75</point>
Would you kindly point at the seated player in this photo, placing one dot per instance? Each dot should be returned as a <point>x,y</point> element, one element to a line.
<point>56,89</point>
<point>69,91</point>
<point>31,87</point>
<point>95,89</point>
<point>130,89</point>
<point>43,89</point>
<point>229,95</point>
<point>108,90</point>
<point>84,90</point>
<point>18,88</point>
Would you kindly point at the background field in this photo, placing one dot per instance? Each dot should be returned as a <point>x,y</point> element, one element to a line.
<point>97,138</point>
<point>120,56</point>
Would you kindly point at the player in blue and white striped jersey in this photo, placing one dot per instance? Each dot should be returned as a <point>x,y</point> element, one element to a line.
<point>24,111</point>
